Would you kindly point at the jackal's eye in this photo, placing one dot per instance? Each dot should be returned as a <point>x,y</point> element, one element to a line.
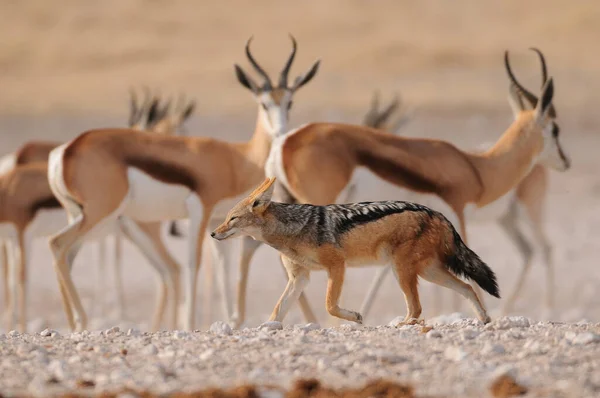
<point>232,218</point>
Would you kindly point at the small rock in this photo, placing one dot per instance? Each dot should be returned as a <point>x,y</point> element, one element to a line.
<point>491,348</point>
<point>396,321</point>
<point>433,334</point>
<point>469,334</point>
<point>150,349</point>
<point>13,334</point>
<point>221,328</point>
<point>114,331</point>
<point>133,332</point>
<point>447,319</point>
<point>582,338</point>
<point>180,335</point>
<point>98,349</point>
<point>271,325</point>
<point>58,369</point>
<point>454,353</point>
<point>82,347</point>
<point>206,354</point>
<point>310,326</point>
<point>49,333</point>
<point>509,322</point>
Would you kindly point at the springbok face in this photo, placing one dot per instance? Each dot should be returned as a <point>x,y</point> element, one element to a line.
<point>159,118</point>
<point>163,120</point>
<point>544,116</point>
<point>274,102</point>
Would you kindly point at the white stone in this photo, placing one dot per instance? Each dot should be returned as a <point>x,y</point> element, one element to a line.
<point>221,328</point>
<point>133,332</point>
<point>180,335</point>
<point>509,322</point>
<point>49,333</point>
<point>150,349</point>
<point>271,325</point>
<point>584,338</point>
<point>114,331</point>
<point>454,353</point>
<point>206,354</point>
<point>491,348</point>
<point>310,326</point>
<point>447,319</point>
<point>469,333</point>
<point>433,334</point>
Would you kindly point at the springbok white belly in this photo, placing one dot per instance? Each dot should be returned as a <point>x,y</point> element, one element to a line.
<point>149,199</point>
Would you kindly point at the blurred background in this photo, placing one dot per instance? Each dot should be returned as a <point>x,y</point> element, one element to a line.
<point>67,65</point>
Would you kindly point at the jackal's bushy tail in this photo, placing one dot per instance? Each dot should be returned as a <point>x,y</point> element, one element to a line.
<point>464,262</point>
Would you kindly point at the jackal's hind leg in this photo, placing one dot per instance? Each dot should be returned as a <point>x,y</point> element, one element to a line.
<point>436,273</point>
<point>407,279</point>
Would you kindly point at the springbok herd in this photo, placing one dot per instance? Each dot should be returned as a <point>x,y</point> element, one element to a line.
<point>114,181</point>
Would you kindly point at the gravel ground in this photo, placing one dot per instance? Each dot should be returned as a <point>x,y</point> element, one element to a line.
<point>450,356</point>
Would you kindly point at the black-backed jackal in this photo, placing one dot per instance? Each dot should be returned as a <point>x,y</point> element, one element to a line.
<point>418,241</point>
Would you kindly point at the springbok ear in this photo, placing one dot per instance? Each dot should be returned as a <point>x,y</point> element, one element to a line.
<point>545,103</point>
<point>245,80</point>
<point>515,100</point>
<point>305,78</point>
<point>153,113</point>
<point>188,111</point>
<point>133,107</point>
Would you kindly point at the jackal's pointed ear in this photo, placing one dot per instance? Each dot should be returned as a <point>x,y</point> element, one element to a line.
<point>262,195</point>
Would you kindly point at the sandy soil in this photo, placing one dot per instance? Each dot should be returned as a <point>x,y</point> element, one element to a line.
<point>66,67</point>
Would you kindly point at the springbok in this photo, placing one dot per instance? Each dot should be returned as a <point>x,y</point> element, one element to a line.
<point>108,173</point>
<point>314,163</point>
<point>30,210</point>
<point>525,204</point>
<point>38,151</point>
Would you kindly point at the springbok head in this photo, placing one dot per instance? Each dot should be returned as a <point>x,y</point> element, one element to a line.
<point>382,119</point>
<point>542,114</point>
<point>274,102</point>
<point>163,119</point>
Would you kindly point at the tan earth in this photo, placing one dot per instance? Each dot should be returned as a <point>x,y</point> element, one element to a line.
<point>66,66</point>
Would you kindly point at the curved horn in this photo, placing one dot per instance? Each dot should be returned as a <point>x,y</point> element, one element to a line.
<point>283,77</point>
<point>552,110</point>
<point>260,70</point>
<point>543,62</point>
<point>532,99</point>
<point>391,108</point>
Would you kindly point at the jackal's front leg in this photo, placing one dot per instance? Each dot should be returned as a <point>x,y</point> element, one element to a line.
<point>334,291</point>
<point>298,277</point>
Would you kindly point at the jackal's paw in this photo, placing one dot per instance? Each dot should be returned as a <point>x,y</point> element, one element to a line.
<point>411,321</point>
<point>358,317</point>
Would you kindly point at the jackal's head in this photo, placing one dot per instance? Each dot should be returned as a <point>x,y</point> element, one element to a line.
<point>248,216</point>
